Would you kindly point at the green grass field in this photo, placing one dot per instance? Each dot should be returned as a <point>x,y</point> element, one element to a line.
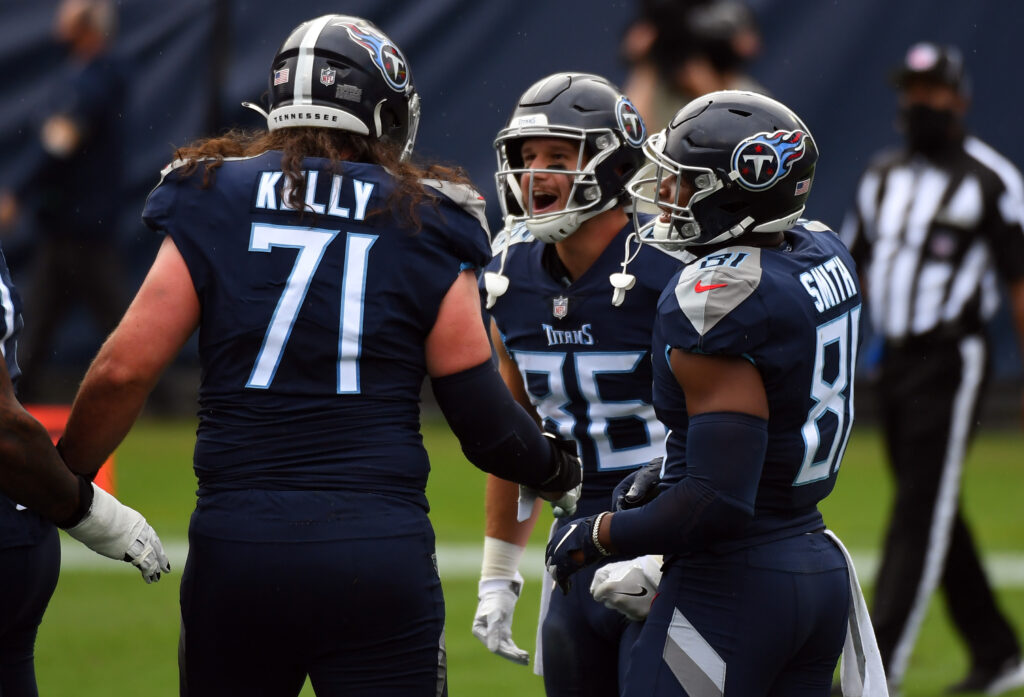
<point>108,633</point>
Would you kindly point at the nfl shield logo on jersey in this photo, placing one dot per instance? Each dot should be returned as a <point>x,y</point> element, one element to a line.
<point>327,75</point>
<point>560,306</point>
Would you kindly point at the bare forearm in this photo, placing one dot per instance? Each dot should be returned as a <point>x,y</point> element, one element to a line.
<point>32,473</point>
<point>103,412</point>
<point>500,506</point>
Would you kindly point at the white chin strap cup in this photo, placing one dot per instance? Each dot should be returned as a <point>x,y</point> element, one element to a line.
<point>496,285</point>
<point>621,282</point>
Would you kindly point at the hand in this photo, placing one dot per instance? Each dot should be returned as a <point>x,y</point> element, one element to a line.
<point>493,621</point>
<point>638,487</point>
<point>628,586</point>
<point>568,470</point>
<point>572,548</point>
<point>565,506</point>
<point>119,532</point>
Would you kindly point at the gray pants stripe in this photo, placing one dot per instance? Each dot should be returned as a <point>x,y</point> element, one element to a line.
<point>696,665</point>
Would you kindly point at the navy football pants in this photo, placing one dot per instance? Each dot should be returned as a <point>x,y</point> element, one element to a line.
<point>767,620</point>
<point>361,617</point>
<point>586,645</point>
<point>28,577</point>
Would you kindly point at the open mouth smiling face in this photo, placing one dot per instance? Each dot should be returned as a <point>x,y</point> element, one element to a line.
<point>545,187</point>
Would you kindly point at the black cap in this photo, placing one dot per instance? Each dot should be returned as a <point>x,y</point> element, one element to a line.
<point>931,62</point>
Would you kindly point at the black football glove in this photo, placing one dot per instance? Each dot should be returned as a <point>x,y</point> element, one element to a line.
<point>568,470</point>
<point>638,487</point>
<point>576,536</point>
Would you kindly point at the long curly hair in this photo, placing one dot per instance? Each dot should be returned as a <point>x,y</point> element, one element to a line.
<point>329,143</point>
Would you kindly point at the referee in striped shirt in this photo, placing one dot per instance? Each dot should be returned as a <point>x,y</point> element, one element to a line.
<point>935,228</point>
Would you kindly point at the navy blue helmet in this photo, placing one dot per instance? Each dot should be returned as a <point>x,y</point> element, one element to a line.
<point>581,107</point>
<point>729,162</point>
<point>338,71</point>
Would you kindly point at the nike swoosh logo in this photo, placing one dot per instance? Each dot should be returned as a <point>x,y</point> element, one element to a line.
<point>564,537</point>
<point>642,593</point>
<point>701,288</point>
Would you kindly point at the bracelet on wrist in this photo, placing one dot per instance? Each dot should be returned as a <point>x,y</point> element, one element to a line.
<point>595,532</point>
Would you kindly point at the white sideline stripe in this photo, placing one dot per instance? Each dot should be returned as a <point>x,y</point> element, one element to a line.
<point>462,561</point>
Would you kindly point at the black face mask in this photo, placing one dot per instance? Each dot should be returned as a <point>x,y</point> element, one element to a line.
<point>929,130</point>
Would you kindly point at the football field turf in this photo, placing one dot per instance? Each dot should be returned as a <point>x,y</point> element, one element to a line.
<point>108,633</point>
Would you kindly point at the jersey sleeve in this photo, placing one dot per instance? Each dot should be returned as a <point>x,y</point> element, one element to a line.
<point>463,222</point>
<point>714,307</point>
<point>162,214</point>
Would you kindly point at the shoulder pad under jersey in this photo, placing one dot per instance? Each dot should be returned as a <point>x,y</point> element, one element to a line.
<point>464,196</point>
<point>714,285</point>
<point>510,236</point>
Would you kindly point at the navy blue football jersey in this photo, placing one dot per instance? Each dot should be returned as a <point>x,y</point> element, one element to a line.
<point>794,312</point>
<point>17,525</point>
<point>586,363</point>
<point>312,331</point>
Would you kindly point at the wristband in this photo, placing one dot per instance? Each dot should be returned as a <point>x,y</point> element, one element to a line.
<point>501,559</point>
<point>85,496</point>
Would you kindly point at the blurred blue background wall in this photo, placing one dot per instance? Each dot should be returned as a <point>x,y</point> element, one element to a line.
<point>193,61</point>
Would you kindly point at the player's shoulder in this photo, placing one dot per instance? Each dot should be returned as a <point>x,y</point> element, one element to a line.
<point>711,288</point>
<point>459,219</point>
<point>462,197</point>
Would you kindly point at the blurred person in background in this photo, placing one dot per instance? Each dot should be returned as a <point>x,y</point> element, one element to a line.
<point>679,49</point>
<point>38,494</point>
<point>935,226</point>
<point>754,350</point>
<point>573,337</point>
<point>73,189</point>
<point>328,276</point>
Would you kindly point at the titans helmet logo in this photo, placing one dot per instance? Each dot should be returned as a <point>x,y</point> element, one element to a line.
<point>386,56</point>
<point>630,122</point>
<point>764,158</point>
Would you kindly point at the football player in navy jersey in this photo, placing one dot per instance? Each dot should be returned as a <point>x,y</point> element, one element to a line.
<point>574,337</point>
<point>47,493</point>
<point>327,277</point>
<point>755,345</point>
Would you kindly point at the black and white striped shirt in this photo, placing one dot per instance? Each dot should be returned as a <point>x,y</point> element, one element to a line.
<point>932,238</point>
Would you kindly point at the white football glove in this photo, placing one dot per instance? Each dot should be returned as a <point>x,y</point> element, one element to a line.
<point>561,508</point>
<point>119,532</point>
<point>492,624</point>
<point>628,586</point>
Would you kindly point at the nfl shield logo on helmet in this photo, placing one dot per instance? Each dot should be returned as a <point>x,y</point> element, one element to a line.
<point>560,306</point>
<point>327,75</point>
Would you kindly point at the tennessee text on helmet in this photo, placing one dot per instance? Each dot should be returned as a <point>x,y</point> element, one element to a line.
<point>730,162</point>
<point>339,71</point>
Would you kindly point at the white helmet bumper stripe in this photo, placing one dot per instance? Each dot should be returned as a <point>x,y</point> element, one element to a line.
<point>304,64</point>
<point>315,115</point>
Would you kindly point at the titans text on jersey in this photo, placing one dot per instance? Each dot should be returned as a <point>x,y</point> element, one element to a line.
<point>586,364</point>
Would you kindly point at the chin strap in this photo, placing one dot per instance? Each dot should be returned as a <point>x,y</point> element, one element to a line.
<point>620,280</point>
<point>496,284</point>
<point>258,109</point>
